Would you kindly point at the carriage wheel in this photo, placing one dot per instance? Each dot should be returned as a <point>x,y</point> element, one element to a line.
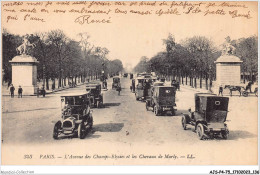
<point>200,131</point>
<point>245,93</point>
<point>184,123</point>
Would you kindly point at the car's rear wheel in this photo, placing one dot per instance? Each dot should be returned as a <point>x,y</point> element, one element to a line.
<point>224,135</point>
<point>56,129</point>
<point>184,123</point>
<point>200,131</point>
<point>156,110</point>
<point>173,112</point>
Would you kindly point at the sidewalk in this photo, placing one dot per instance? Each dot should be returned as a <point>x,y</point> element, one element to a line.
<point>5,91</point>
<point>202,90</point>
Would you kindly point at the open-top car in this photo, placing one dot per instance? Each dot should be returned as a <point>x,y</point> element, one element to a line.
<point>209,116</point>
<point>76,117</point>
<point>96,97</point>
<point>162,100</point>
<point>116,82</point>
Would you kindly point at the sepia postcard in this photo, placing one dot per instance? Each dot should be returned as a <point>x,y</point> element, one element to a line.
<point>129,83</point>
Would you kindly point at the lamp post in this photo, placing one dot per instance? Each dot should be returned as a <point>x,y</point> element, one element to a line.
<point>210,78</point>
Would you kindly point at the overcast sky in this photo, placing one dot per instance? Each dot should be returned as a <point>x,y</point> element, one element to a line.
<point>129,37</point>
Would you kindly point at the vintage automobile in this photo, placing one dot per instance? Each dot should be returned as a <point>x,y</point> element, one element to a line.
<point>76,118</point>
<point>144,74</point>
<point>162,100</point>
<point>116,82</point>
<point>143,88</point>
<point>209,116</point>
<point>131,76</point>
<point>96,97</point>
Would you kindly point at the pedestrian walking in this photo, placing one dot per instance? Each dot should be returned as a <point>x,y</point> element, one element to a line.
<point>118,88</point>
<point>12,89</point>
<point>133,85</point>
<point>20,92</point>
<point>43,91</point>
<point>250,86</point>
<point>220,91</point>
<point>38,91</point>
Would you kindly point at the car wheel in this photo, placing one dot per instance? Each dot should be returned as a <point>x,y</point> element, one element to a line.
<point>156,110</point>
<point>90,122</point>
<point>81,131</point>
<point>200,131</point>
<point>173,112</point>
<point>184,123</point>
<point>56,129</point>
<point>224,135</point>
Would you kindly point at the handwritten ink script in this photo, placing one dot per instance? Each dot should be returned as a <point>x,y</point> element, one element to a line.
<point>87,12</point>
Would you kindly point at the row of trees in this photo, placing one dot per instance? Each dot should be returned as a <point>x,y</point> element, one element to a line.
<point>61,58</point>
<point>194,58</point>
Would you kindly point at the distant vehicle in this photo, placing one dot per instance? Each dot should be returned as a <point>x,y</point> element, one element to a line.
<point>144,74</point>
<point>158,83</point>
<point>125,75</point>
<point>143,88</point>
<point>116,82</point>
<point>162,100</point>
<point>131,76</point>
<point>96,97</point>
<point>209,116</point>
<point>76,118</point>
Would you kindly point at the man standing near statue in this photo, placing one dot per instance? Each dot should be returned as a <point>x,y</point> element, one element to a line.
<point>20,92</point>
<point>12,89</point>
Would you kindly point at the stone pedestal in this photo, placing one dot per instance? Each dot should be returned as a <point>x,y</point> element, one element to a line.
<point>228,70</point>
<point>24,73</point>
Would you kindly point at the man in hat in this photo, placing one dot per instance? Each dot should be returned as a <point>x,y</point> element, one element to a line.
<point>220,91</point>
<point>20,92</point>
<point>12,90</point>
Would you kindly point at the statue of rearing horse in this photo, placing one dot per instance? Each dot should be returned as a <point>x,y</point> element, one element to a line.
<point>25,47</point>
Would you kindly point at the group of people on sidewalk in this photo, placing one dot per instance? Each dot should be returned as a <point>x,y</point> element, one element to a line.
<point>20,91</point>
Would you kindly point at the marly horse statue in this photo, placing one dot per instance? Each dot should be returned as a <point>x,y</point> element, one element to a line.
<point>25,47</point>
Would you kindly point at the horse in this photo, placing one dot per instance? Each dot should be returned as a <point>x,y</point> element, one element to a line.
<point>25,47</point>
<point>233,88</point>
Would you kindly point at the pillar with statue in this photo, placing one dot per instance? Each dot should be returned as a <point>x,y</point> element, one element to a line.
<point>227,67</point>
<point>24,68</point>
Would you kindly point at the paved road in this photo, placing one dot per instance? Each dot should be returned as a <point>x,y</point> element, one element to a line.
<point>27,126</point>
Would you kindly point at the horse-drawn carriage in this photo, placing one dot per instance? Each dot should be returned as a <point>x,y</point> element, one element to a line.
<point>245,91</point>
